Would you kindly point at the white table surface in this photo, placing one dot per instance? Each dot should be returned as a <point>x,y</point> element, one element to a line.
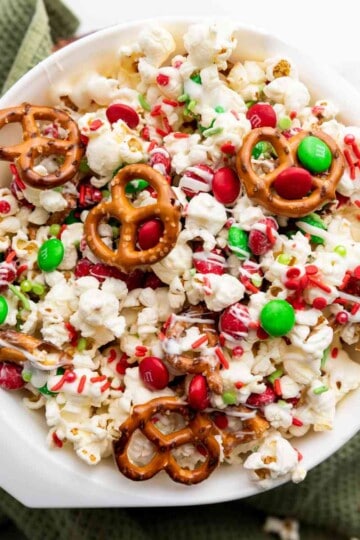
<point>323,28</point>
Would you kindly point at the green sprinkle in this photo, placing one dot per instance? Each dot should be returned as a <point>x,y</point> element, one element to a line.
<point>320,390</point>
<point>192,272</point>
<point>183,98</point>
<point>23,299</point>
<point>136,185</point>
<point>54,229</point>
<point>191,105</point>
<point>256,280</point>
<point>60,371</point>
<point>82,344</point>
<point>44,390</point>
<point>340,250</point>
<point>26,376</point>
<point>283,258</point>
<point>84,166</point>
<point>38,289</point>
<point>219,109</point>
<point>202,128</point>
<point>285,122</point>
<point>25,286</point>
<point>213,131</point>
<point>144,104</point>
<point>229,398</point>
<point>250,104</point>
<point>324,358</point>
<point>275,375</point>
<point>196,78</point>
<point>105,193</point>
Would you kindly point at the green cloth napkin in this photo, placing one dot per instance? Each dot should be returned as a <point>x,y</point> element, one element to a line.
<point>327,503</point>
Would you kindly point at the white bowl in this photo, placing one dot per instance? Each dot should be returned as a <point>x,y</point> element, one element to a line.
<point>39,477</point>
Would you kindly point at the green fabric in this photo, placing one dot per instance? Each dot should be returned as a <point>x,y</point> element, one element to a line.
<point>327,503</point>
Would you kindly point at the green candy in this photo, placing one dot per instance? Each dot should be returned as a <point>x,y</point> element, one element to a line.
<point>50,255</point>
<point>314,154</point>
<point>4,309</point>
<point>54,230</point>
<point>229,398</point>
<point>136,185</point>
<point>285,122</point>
<point>45,391</point>
<point>219,109</point>
<point>277,317</point>
<point>71,218</point>
<point>196,78</point>
<point>238,242</point>
<point>25,286</point>
<point>315,221</point>
<point>38,289</point>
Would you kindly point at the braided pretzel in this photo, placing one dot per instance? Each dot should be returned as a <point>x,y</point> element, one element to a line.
<point>199,430</point>
<point>252,428</point>
<point>192,361</point>
<point>36,145</point>
<point>260,189</point>
<point>165,208</point>
<point>14,347</point>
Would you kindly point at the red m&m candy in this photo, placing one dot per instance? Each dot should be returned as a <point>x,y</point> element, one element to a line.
<point>120,111</point>
<point>149,233</point>
<point>198,393</point>
<point>261,115</point>
<point>226,185</point>
<point>293,183</point>
<point>153,373</point>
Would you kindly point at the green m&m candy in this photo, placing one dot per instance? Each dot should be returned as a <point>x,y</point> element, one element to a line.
<point>4,309</point>
<point>277,317</point>
<point>136,185</point>
<point>314,154</point>
<point>315,221</point>
<point>238,242</point>
<point>50,255</point>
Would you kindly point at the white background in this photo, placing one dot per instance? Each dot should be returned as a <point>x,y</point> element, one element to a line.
<point>326,29</point>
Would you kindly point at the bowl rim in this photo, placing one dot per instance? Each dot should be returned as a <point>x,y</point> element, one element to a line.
<point>41,498</point>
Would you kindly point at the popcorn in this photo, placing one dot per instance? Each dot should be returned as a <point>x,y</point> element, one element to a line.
<point>205,212</point>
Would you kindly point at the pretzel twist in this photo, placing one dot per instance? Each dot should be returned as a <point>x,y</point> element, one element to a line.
<point>260,188</point>
<point>36,145</point>
<point>14,346</point>
<point>192,361</point>
<point>126,256</point>
<point>199,430</point>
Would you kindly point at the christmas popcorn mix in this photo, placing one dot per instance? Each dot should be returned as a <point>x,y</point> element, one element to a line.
<point>180,261</point>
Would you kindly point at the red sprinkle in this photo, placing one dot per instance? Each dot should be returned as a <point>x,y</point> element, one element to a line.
<point>320,284</point>
<point>311,269</point>
<point>162,80</point>
<point>349,139</point>
<point>96,124</point>
<point>355,309</point>
<point>81,385</point>
<point>222,359</point>
<point>228,148</point>
<point>21,269</point>
<point>293,114</point>
<point>277,387</point>
<point>20,184</point>
<point>70,376</point>
<point>293,272</point>
<point>300,456</point>
<point>4,207</point>
<point>222,339</point>
<point>297,422</point>
<point>60,384</point>
<point>105,386</point>
<point>170,102</point>
<point>112,356</point>
<point>239,384</point>
<point>199,342</point>
<point>58,442</point>
<point>10,256</point>
<point>319,302</point>
<point>140,350</point>
<point>342,317</point>
<point>100,378</point>
<point>238,351</point>
<point>334,352</point>
<point>179,135</point>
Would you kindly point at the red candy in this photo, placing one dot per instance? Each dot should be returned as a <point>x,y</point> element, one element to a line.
<point>207,262</point>
<point>160,160</point>
<point>220,420</point>
<point>259,241</point>
<point>261,115</point>
<point>226,185</point>
<point>198,393</point>
<point>235,321</point>
<point>202,174</point>
<point>162,79</point>
<point>260,400</point>
<point>4,207</point>
<point>293,183</point>
<point>10,376</point>
<point>152,281</point>
<point>149,233</point>
<point>153,373</point>
<point>120,111</point>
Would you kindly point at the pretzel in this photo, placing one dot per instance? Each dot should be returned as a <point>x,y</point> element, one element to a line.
<point>126,256</point>
<point>199,430</point>
<point>252,428</point>
<point>192,361</point>
<point>260,189</point>
<point>36,145</point>
<point>14,347</point>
